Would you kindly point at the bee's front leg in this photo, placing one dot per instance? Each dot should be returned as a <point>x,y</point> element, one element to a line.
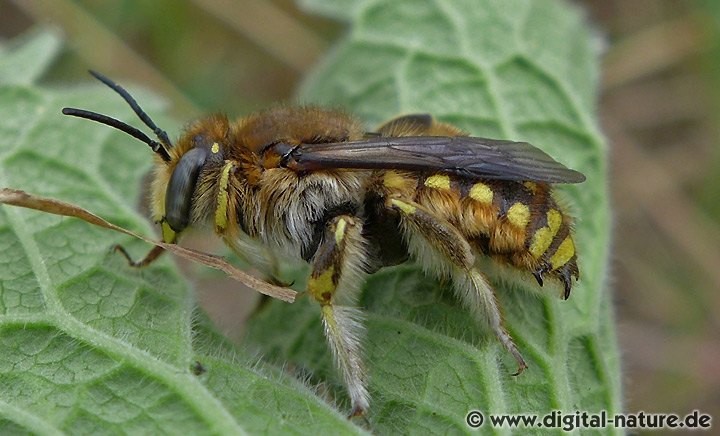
<point>336,267</point>
<point>169,236</point>
<point>145,261</point>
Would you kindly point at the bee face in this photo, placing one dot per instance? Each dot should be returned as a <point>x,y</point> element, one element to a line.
<point>313,183</point>
<point>202,147</point>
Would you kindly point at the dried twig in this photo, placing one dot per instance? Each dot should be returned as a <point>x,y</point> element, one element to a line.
<point>23,199</point>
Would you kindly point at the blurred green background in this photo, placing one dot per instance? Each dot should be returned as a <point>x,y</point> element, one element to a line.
<point>658,108</point>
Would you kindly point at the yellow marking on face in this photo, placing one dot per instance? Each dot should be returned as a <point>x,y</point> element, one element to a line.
<point>215,148</point>
<point>168,234</point>
<point>482,193</point>
<point>405,207</point>
<point>543,237</point>
<point>222,198</point>
<point>340,230</point>
<point>322,284</point>
<point>393,180</point>
<point>519,215</point>
<point>438,181</point>
<point>564,253</point>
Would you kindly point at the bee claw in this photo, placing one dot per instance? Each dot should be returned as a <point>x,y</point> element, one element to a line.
<point>567,284</point>
<point>538,276</point>
<point>359,414</point>
<point>523,366</point>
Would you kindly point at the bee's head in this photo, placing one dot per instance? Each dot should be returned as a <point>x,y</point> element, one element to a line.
<point>200,150</point>
<point>177,176</point>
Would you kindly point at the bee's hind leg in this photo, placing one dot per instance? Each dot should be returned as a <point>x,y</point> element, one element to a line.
<point>443,250</point>
<point>336,266</point>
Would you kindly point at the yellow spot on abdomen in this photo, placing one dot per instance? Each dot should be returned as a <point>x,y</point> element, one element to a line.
<point>215,148</point>
<point>540,242</point>
<point>482,193</point>
<point>554,219</point>
<point>565,252</point>
<point>543,237</point>
<point>532,186</point>
<point>438,181</point>
<point>519,215</point>
<point>222,198</point>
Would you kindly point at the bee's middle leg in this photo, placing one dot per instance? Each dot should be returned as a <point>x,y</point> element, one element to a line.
<point>334,278</point>
<point>443,250</point>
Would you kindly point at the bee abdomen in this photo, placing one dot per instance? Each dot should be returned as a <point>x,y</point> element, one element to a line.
<point>517,222</point>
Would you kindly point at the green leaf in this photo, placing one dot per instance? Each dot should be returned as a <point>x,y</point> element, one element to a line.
<point>87,344</point>
<point>521,70</point>
<point>26,65</point>
<point>339,9</point>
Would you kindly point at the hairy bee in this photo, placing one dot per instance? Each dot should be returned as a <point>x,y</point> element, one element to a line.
<point>310,183</point>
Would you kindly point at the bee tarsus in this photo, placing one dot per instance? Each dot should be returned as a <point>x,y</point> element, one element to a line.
<point>149,258</point>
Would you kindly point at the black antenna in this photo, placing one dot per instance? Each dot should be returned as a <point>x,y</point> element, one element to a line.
<point>160,133</point>
<point>112,122</point>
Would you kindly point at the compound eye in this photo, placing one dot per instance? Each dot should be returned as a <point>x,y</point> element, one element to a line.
<point>180,189</point>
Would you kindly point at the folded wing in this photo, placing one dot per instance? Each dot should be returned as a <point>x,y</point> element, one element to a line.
<point>461,155</point>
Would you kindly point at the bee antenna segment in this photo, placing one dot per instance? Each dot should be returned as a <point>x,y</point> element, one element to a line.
<point>112,122</point>
<point>160,133</point>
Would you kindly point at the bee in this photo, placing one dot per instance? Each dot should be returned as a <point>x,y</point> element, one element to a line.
<point>310,183</point>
